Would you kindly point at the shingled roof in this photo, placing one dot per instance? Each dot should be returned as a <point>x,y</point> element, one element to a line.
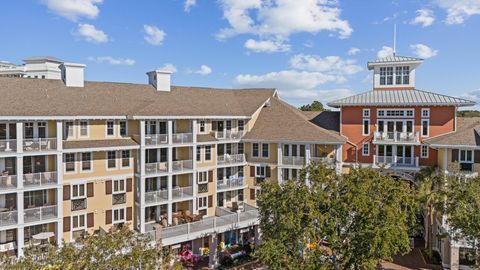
<point>37,97</point>
<point>280,121</point>
<point>400,98</point>
<point>467,134</point>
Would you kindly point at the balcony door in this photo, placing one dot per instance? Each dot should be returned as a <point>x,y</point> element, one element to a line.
<point>405,154</point>
<point>34,164</point>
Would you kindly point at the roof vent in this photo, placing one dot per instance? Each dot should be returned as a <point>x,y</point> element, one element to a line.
<point>72,74</point>
<point>160,79</point>
<point>268,103</point>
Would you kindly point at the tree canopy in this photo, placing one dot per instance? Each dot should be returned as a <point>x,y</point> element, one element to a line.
<point>348,221</point>
<point>314,106</point>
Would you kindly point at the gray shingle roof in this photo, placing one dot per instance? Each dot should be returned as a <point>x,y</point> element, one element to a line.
<point>467,134</point>
<point>396,58</point>
<point>400,98</point>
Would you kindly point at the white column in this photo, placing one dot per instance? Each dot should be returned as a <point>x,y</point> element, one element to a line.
<point>194,130</point>
<point>169,213</point>
<point>19,165</point>
<point>170,159</point>
<point>454,257</point>
<point>20,241</point>
<point>170,131</point>
<point>445,160</point>
<point>195,191</point>
<point>212,258</point>
<point>142,217</point>
<point>20,210</point>
<point>170,186</point>
<point>59,126</point>
<point>338,158</point>
<point>279,162</point>
<point>19,128</point>
<point>142,133</point>
<point>307,154</point>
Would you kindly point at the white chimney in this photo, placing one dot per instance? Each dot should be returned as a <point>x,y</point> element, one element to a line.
<point>160,79</point>
<point>72,74</point>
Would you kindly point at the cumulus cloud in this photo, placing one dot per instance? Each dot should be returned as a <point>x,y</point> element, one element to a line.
<point>112,61</point>
<point>204,70</point>
<point>423,51</point>
<point>353,51</point>
<point>329,64</point>
<point>424,17</point>
<point>385,52</point>
<point>169,67</point>
<point>459,10</point>
<point>153,35</point>
<point>91,34</point>
<point>74,9</point>
<point>268,46</point>
<point>189,4</point>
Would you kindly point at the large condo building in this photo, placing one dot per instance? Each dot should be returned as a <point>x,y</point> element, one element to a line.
<point>184,164</point>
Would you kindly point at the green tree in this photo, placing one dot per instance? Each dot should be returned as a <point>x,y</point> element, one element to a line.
<point>315,106</point>
<point>348,221</point>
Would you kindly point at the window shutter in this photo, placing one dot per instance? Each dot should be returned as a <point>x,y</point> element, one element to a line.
<point>252,194</point>
<point>89,190</point>
<point>477,156</point>
<point>66,224</point>
<point>267,171</point>
<point>66,192</point>
<point>454,155</point>
<point>129,213</point>
<point>210,176</point>
<point>252,171</point>
<point>108,217</point>
<point>129,184</point>
<point>90,220</point>
<point>210,201</point>
<point>108,187</point>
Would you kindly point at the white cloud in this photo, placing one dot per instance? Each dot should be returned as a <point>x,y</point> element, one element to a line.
<point>74,9</point>
<point>353,51</point>
<point>268,46</point>
<point>189,4</point>
<point>287,79</point>
<point>459,10</point>
<point>153,35</point>
<point>278,19</point>
<point>423,51</point>
<point>169,67</point>
<point>112,61</point>
<point>204,70</point>
<point>424,17</point>
<point>92,34</point>
<point>329,64</point>
<point>385,52</point>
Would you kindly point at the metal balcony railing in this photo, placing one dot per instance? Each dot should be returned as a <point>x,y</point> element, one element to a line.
<point>182,165</point>
<point>8,218</point>
<point>156,196</point>
<point>294,161</point>
<point>39,144</point>
<point>228,135</point>
<point>40,213</point>
<point>40,179</point>
<point>182,192</point>
<point>230,159</point>
<point>394,161</point>
<point>397,137</point>
<point>8,182</point>
<point>182,138</point>
<point>8,145</point>
<point>156,139</point>
<point>156,168</point>
<point>231,183</point>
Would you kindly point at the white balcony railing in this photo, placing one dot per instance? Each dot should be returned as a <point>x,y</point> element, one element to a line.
<point>323,160</point>
<point>294,161</point>
<point>156,196</point>
<point>182,138</point>
<point>39,144</point>
<point>40,179</point>
<point>394,161</point>
<point>182,192</point>
<point>8,218</point>
<point>156,168</point>
<point>8,182</point>
<point>397,137</point>
<point>40,213</point>
<point>8,145</point>
<point>231,183</point>
<point>182,165</point>
<point>230,159</point>
<point>156,139</point>
<point>228,135</point>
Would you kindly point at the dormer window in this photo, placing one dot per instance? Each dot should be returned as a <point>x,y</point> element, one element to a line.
<point>402,75</point>
<point>386,75</point>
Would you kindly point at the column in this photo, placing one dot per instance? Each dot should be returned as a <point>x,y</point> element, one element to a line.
<point>59,225</point>
<point>142,217</point>
<point>19,128</point>
<point>169,186</point>
<point>19,165</point>
<point>170,131</point>
<point>454,256</point>
<point>59,135</point>
<point>445,160</point>
<point>212,258</point>
<point>169,212</point>
<point>307,154</point>
<point>195,191</point>
<point>20,241</point>
<point>256,236</point>
<point>338,158</point>
<point>142,133</point>
<point>194,130</point>
<point>20,232</point>
<point>279,162</point>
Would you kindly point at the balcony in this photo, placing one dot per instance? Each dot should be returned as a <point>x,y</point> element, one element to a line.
<point>39,144</point>
<point>8,218</point>
<point>293,161</point>
<point>231,183</point>
<point>182,138</point>
<point>40,179</point>
<point>396,137</point>
<point>228,159</point>
<point>179,193</point>
<point>40,213</point>
<point>8,146</point>
<point>156,139</point>
<point>396,162</point>
<point>79,204</point>
<point>228,135</point>
<point>119,198</point>
<point>182,165</point>
<point>8,182</point>
<point>156,196</point>
<point>326,161</point>
<point>156,168</point>
<point>202,188</point>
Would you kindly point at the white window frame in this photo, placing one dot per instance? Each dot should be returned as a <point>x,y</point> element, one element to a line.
<point>383,113</point>
<point>80,129</point>
<point>81,162</point>
<point>209,147</point>
<point>202,125</point>
<point>117,182</point>
<point>67,130</point>
<point>428,127</point>
<point>78,196</point>
<point>258,150</point>
<point>106,128</point>
<point>74,163</point>
<point>119,210</point>
<point>427,110</point>
<point>107,159</point>
<point>120,128</point>
<point>198,152</point>
<point>202,203</point>
<point>261,168</point>
<point>203,179</point>
<point>268,150</point>
<point>366,113</point>
<point>366,145</point>
<point>422,148</point>
<point>129,159</point>
<point>78,228</point>
<point>465,160</point>
<point>363,127</point>
<point>243,125</point>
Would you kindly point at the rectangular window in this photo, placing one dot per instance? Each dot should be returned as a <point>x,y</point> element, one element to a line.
<point>199,153</point>
<point>203,202</point>
<point>123,128</point>
<point>366,113</point>
<point>406,75</point>
<point>424,151</point>
<point>240,148</point>
<point>366,149</point>
<point>202,177</point>
<point>265,150</point>
<point>260,171</point>
<point>208,152</point>
<point>69,129</point>
<point>466,156</point>
<point>111,159</point>
<point>425,124</point>
<point>241,125</point>
<point>383,76</point>
<point>110,128</point>
<point>389,75</point>
<point>78,191</point>
<point>255,149</point>
<point>125,158</point>
<point>202,126</point>
<point>86,161</point>
<point>78,222</point>
<point>83,128</point>
<point>229,124</point>
<point>70,162</point>
<point>426,112</point>
<point>294,150</point>
<point>28,130</point>
<point>366,127</point>
<point>119,215</point>
<point>119,186</point>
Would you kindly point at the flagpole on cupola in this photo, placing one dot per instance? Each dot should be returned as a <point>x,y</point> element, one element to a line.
<point>394,39</point>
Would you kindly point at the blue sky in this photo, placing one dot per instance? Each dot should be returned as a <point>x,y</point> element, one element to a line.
<point>308,49</point>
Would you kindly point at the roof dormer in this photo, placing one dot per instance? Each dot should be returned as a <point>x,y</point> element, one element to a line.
<point>394,72</point>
